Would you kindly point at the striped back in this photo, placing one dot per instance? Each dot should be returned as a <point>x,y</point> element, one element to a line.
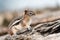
<point>15,21</point>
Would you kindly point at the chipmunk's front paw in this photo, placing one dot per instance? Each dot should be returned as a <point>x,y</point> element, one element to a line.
<point>18,33</point>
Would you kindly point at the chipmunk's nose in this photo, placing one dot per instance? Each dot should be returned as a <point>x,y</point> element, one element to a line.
<point>29,29</point>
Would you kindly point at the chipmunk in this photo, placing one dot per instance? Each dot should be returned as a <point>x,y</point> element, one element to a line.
<point>21,23</point>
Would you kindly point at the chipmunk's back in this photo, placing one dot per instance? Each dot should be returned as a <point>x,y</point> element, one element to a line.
<point>15,21</point>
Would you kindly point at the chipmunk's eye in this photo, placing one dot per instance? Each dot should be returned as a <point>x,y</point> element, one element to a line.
<point>31,13</point>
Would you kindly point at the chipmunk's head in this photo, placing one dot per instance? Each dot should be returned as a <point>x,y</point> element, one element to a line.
<point>29,13</point>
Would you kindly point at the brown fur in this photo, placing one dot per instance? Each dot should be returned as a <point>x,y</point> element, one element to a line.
<point>25,22</point>
<point>10,32</point>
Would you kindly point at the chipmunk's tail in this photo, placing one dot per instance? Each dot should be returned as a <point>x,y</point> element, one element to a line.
<point>3,31</point>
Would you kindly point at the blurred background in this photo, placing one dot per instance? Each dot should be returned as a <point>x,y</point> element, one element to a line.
<point>46,10</point>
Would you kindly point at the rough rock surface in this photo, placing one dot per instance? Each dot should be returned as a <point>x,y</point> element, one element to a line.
<point>44,31</point>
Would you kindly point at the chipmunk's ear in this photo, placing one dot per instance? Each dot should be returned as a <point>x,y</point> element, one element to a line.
<point>26,11</point>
